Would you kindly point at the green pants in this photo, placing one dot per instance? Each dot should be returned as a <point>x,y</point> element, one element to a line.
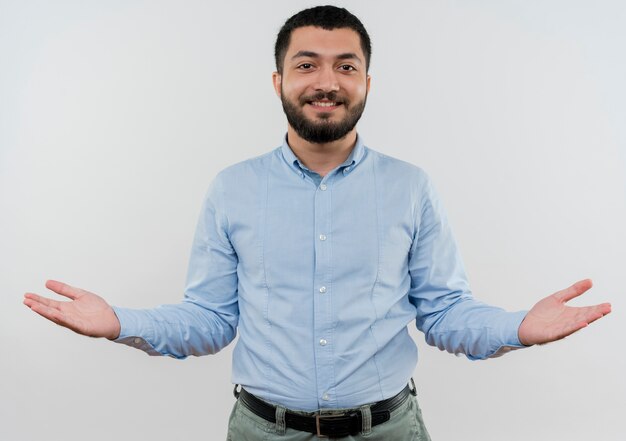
<point>405,424</point>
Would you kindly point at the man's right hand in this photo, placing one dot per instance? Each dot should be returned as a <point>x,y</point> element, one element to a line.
<point>86,313</point>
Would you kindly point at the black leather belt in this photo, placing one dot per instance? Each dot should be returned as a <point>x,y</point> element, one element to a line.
<point>334,425</point>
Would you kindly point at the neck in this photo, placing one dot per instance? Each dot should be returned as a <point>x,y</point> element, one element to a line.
<point>321,158</point>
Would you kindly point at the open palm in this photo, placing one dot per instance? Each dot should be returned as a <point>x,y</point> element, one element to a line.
<point>86,313</point>
<point>551,319</point>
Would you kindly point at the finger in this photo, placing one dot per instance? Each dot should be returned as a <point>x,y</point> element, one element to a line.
<point>573,291</point>
<point>57,316</point>
<point>63,289</point>
<point>30,299</point>
<point>593,313</point>
<point>51,314</point>
<point>584,318</point>
<point>606,308</point>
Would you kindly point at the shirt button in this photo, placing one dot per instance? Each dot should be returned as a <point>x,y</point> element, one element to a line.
<point>323,342</point>
<point>322,237</point>
<point>325,397</point>
<point>346,170</point>
<point>323,187</point>
<point>137,340</point>
<point>323,289</point>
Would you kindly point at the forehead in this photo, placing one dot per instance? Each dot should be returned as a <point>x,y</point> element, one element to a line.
<point>325,42</point>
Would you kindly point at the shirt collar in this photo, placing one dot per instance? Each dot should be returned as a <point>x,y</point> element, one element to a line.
<point>356,155</point>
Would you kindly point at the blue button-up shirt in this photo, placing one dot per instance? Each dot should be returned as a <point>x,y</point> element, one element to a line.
<point>321,276</point>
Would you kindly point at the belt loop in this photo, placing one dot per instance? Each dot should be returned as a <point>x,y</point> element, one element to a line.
<point>281,427</point>
<point>412,387</point>
<point>366,417</point>
<point>236,392</point>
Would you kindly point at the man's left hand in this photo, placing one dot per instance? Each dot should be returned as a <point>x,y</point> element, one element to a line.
<point>551,319</point>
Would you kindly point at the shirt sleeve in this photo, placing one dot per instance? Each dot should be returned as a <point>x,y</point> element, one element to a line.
<point>447,313</point>
<point>206,319</point>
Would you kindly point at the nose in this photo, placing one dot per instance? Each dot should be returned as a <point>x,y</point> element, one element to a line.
<point>327,80</point>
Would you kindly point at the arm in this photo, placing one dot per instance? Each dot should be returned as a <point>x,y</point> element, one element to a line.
<point>207,318</point>
<point>203,323</point>
<point>454,321</point>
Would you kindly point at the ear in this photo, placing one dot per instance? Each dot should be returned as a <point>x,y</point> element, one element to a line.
<point>277,80</point>
<point>368,82</point>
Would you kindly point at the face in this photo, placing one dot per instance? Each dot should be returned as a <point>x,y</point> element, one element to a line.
<point>324,84</point>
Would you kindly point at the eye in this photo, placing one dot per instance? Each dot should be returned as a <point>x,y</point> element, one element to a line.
<point>347,68</point>
<point>305,66</point>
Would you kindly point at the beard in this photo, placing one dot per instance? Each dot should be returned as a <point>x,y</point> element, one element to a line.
<point>323,130</point>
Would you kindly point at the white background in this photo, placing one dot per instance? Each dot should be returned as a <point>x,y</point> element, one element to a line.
<point>115,116</point>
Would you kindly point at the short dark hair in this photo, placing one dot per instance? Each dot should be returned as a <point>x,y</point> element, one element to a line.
<point>325,17</point>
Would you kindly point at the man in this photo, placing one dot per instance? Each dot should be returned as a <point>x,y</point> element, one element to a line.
<point>320,253</point>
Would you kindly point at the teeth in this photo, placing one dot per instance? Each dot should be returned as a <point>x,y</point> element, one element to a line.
<point>324,104</point>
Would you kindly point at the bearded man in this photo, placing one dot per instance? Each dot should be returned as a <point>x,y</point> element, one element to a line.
<point>320,253</point>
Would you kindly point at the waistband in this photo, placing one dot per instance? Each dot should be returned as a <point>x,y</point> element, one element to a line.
<point>343,423</point>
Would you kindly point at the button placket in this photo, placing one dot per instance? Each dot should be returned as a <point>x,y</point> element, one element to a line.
<point>322,303</point>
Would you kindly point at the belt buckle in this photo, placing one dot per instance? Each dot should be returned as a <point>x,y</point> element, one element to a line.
<point>319,417</point>
<point>317,426</point>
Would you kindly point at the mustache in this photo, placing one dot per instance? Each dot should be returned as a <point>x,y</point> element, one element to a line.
<point>319,96</point>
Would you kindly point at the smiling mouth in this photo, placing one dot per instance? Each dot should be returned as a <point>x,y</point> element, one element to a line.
<point>324,105</point>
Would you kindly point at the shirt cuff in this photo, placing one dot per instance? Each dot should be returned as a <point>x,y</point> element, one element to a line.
<point>135,330</point>
<point>509,334</point>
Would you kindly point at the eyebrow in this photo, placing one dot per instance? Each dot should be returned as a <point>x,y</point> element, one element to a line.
<point>310,54</point>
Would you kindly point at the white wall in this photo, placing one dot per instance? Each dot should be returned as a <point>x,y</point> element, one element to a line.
<point>115,116</point>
